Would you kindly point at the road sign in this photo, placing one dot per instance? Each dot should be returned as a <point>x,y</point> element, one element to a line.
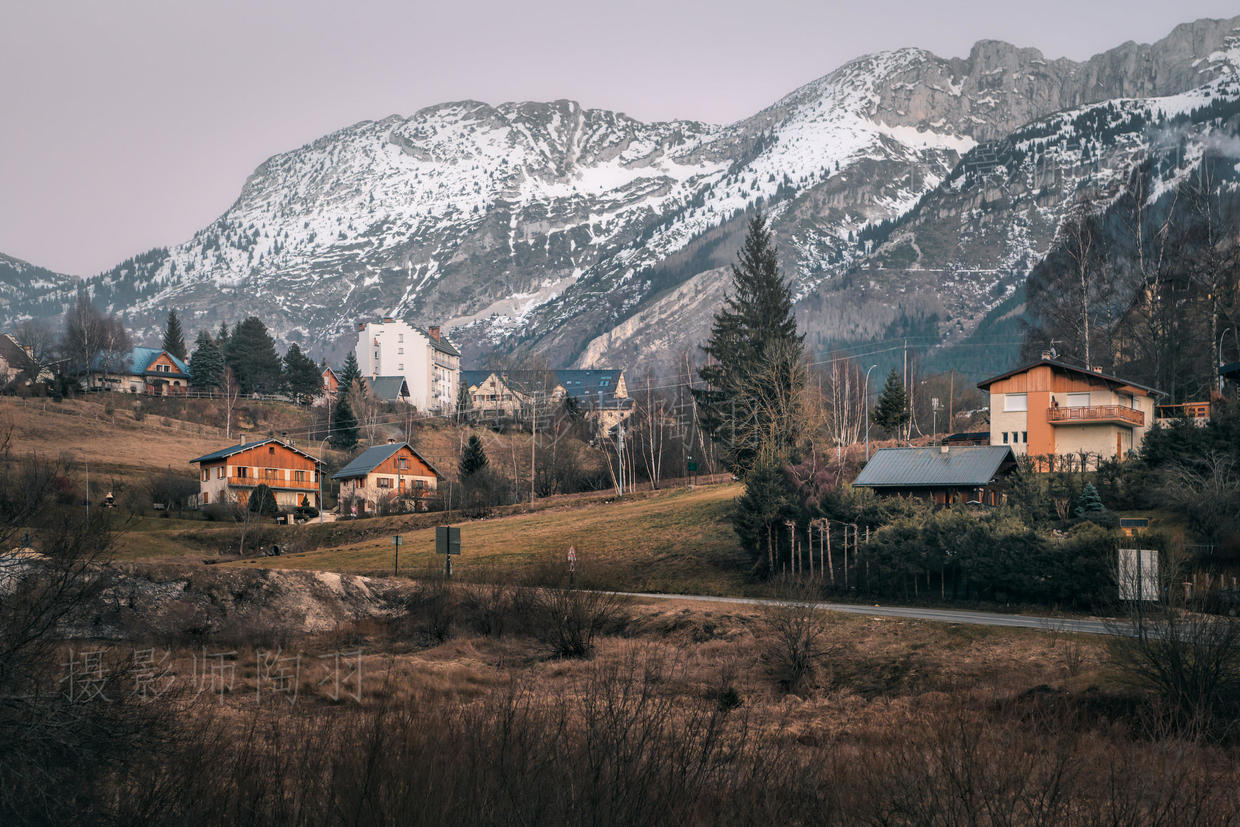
<point>447,539</point>
<point>692,466</point>
<point>396,541</point>
<point>447,543</point>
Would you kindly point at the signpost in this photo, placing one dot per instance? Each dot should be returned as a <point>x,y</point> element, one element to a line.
<point>447,543</point>
<point>692,469</point>
<point>396,541</point>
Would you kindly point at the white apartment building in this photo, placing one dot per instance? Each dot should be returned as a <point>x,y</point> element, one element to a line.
<point>429,363</point>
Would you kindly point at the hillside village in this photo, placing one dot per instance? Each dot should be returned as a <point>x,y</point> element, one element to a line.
<point>778,522</point>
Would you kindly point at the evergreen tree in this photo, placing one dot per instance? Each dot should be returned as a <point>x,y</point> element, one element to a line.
<point>206,365</point>
<point>302,377</point>
<point>251,353</point>
<point>349,374</point>
<point>344,424</point>
<point>760,515</point>
<point>473,458</point>
<point>892,411</point>
<point>174,339</point>
<point>1089,502</point>
<point>263,501</point>
<point>755,375</point>
<point>462,401</point>
<point>221,338</point>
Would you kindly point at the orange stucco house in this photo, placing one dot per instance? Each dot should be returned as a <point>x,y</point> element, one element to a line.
<point>1067,415</point>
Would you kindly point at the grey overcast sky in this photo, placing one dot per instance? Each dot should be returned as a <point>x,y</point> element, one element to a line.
<point>129,124</point>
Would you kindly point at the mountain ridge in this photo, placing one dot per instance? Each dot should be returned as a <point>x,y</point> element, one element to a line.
<point>548,227</point>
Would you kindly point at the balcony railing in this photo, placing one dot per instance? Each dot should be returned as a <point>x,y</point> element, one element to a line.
<point>282,484</point>
<point>1096,414</point>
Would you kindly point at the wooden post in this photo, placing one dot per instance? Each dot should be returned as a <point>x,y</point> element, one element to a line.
<point>809,536</point>
<point>830,562</point>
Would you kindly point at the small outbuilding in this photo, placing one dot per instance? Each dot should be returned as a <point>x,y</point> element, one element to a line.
<point>941,473</point>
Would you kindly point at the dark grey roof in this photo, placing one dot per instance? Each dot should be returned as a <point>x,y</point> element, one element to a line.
<point>974,465</point>
<point>443,345</point>
<point>388,388</point>
<point>1055,363</point>
<point>245,446</point>
<point>473,378</point>
<point>372,457</point>
<point>1231,371</point>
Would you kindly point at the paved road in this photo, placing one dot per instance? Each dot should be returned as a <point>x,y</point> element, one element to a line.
<point>1047,624</point>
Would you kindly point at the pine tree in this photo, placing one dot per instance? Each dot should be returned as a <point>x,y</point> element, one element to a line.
<point>344,424</point>
<point>892,411</point>
<point>473,458</point>
<point>251,353</point>
<point>302,377</point>
<point>1089,502</point>
<point>221,338</point>
<point>349,374</point>
<point>263,501</point>
<point>756,371</point>
<point>462,401</point>
<point>206,365</point>
<point>760,515</point>
<point>174,339</point>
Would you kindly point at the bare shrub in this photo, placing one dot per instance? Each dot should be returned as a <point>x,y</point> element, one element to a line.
<point>431,610</point>
<point>500,607</point>
<point>1189,660</point>
<point>572,618</point>
<point>793,644</point>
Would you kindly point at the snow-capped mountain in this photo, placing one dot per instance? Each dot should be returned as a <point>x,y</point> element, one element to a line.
<point>593,238</point>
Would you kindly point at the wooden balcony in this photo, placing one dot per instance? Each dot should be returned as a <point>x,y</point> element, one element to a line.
<point>278,485</point>
<point>1097,415</point>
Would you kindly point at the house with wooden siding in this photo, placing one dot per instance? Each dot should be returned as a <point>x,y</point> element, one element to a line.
<point>230,474</point>
<point>147,370</point>
<point>601,394</point>
<point>392,471</point>
<point>1068,415</point>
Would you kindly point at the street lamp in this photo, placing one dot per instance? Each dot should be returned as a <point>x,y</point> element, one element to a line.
<point>865,401</point>
<point>319,473</point>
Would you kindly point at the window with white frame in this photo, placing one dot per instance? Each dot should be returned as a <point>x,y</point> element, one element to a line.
<point>1078,400</point>
<point>1015,402</point>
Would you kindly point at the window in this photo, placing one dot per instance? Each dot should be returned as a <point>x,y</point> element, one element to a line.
<point>1015,437</point>
<point>400,337</point>
<point>1024,437</point>
<point>402,463</point>
<point>271,473</point>
<point>401,366</point>
<point>400,351</point>
<point>1078,400</point>
<point>1005,437</point>
<point>376,354</point>
<point>384,482</point>
<point>205,498</point>
<point>1015,402</point>
<point>299,476</point>
<point>205,474</point>
<point>243,471</point>
<point>219,473</point>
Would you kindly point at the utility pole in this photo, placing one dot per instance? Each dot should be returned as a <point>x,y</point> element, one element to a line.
<point>533,442</point>
<point>620,454</point>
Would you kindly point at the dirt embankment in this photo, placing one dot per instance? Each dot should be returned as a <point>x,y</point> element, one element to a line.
<point>186,602</point>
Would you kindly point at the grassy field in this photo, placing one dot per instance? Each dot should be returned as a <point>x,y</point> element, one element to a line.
<point>679,540</point>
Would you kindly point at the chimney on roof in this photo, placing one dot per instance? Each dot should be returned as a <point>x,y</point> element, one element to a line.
<point>1097,368</point>
<point>391,440</point>
<point>1048,354</point>
<point>361,326</point>
<point>434,332</point>
<point>388,320</point>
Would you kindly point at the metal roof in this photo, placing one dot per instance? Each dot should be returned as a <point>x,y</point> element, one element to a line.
<point>245,446</point>
<point>375,455</point>
<point>1055,363</point>
<point>1230,371</point>
<point>388,388</point>
<point>936,466</point>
